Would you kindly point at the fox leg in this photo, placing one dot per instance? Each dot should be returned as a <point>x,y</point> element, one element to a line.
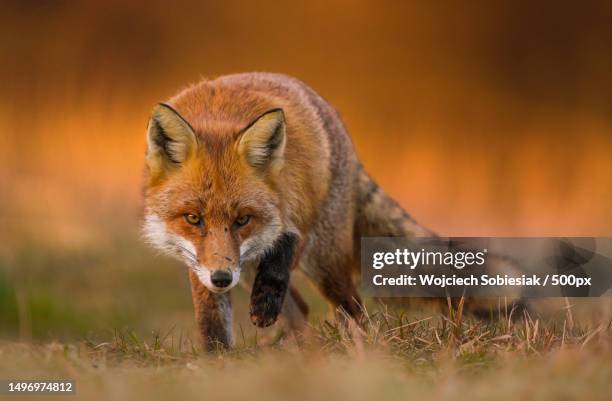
<point>213,313</point>
<point>272,281</point>
<point>342,294</point>
<point>333,277</point>
<point>295,311</point>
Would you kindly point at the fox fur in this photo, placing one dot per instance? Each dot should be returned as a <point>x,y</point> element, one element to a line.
<point>256,172</point>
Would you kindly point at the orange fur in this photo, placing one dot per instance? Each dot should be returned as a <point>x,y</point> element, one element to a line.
<point>301,177</point>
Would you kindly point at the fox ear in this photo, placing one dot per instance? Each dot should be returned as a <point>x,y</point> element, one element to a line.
<point>171,140</point>
<point>262,144</point>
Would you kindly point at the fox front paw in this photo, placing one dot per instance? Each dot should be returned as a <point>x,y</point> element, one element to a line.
<point>266,305</point>
<point>271,281</point>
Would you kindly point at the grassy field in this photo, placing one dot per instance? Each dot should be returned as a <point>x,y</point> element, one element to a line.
<point>393,358</point>
<point>119,323</point>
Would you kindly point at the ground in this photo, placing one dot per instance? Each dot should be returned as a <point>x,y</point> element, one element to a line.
<point>120,324</point>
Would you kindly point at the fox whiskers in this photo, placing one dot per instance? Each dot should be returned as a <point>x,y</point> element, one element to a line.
<point>189,255</point>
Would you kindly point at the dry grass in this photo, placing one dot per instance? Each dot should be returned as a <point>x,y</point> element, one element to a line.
<point>391,356</point>
<point>56,307</point>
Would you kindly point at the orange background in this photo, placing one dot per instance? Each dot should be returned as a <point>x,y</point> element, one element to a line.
<point>480,118</point>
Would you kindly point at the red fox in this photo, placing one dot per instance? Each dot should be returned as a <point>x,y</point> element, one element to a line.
<point>257,172</point>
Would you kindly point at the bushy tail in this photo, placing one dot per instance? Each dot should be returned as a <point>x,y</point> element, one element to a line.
<point>379,215</point>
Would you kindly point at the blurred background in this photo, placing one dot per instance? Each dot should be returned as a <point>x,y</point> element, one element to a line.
<point>481,118</point>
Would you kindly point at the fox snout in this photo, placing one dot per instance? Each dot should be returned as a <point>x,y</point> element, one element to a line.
<point>217,280</point>
<point>218,257</point>
<point>221,278</point>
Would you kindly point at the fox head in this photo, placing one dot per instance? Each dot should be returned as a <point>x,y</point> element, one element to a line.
<point>210,199</point>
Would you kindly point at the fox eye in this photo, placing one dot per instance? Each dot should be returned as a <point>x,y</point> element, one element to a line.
<point>192,219</point>
<point>243,220</point>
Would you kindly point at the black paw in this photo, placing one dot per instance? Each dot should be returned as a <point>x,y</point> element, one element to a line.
<point>266,305</point>
<point>271,281</point>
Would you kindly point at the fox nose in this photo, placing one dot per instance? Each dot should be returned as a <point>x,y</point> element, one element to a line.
<point>221,278</point>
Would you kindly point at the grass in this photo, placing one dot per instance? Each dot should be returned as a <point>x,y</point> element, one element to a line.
<point>95,317</point>
<point>390,357</point>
